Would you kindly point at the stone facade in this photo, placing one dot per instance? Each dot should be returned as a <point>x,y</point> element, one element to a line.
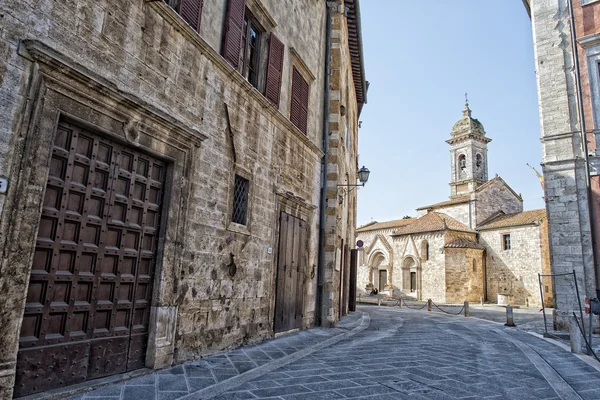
<point>455,251</point>
<point>567,91</point>
<point>136,73</point>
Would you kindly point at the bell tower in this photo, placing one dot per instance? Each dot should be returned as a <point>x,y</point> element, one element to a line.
<point>468,152</point>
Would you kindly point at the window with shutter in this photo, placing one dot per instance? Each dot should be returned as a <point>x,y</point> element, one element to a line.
<point>299,107</point>
<point>190,11</point>
<point>274,70</point>
<point>234,31</point>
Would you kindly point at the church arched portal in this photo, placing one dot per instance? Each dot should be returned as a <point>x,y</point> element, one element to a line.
<point>379,271</point>
<point>411,276</point>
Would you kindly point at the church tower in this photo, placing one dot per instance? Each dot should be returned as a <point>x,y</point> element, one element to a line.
<point>468,151</point>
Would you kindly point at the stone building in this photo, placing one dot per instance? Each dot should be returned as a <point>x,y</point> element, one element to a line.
<point>566,40</point>
<point>478,244</point>
<point>167,171</point>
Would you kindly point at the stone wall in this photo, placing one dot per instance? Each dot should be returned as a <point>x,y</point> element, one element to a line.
<point>464,275</point>
<point>143,53</point>
<point>514,271</point>
<point>460,212</point>
<point>563,160</point>
<point>340,221</point>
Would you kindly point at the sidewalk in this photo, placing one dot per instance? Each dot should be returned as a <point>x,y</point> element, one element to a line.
<point>213,375</point>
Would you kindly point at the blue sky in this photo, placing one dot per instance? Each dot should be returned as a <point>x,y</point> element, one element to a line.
<point>420,58</point>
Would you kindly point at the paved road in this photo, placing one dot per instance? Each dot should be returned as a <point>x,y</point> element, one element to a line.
<point>379,353</point>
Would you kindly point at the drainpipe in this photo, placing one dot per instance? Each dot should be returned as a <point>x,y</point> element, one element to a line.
<point>323,205</point>
<point>584,145</point>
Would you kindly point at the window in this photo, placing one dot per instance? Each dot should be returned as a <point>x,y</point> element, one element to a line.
<point>250,50</point>
<point>478,161</point>
<point>245,35</point>
<point>190,11</point>
<point>299,108</point>
<point>506,242</point>
<point>239,213</point>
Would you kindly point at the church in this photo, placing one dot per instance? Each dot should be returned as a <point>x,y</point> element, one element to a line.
<point>478,245</point>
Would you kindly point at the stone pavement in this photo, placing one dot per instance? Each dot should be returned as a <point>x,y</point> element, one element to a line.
<point>379,353</point>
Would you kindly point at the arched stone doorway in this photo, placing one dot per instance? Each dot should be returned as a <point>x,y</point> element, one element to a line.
<point>379,273</point>
<point>411,276</point>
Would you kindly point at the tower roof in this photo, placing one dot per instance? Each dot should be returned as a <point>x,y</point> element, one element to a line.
<point>468,125</point>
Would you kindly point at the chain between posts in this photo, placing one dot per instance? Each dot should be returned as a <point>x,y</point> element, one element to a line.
<point>413,308</point>
<point>458,313</point>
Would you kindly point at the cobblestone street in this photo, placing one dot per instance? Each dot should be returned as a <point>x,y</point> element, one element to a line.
<point>378,353</point>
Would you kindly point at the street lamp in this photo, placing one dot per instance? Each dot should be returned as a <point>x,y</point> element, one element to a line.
<point>343,189</point>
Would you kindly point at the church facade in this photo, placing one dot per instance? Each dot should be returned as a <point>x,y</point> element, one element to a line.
<point>479,244</point>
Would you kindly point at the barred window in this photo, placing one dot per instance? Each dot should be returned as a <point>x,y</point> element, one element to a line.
<point>240,201</point>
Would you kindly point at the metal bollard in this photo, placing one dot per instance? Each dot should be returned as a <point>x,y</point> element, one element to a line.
<point>480,300</point>
<point>467,311</point>
<point>400,302</point>
<point>429,305</point>
<point>359,297</point>
<point>509,316</point>
<point>527,302</point>
<point>379,300</point>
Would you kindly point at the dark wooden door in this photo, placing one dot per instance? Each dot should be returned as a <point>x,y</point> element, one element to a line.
<point>382,279</point>
<point>353,279</point>
<point>345,281</point>
<point>413,281</point>
<point>291,273</point>
<point>88,303</point>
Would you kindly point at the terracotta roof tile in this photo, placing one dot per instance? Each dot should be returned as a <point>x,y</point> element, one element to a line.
<point>432,222</point>
<point>463,243</point>
<point>373,226</point>
<point>458,200</point>
<point>522,218</point>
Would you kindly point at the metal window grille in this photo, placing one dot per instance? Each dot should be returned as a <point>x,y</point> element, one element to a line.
<point>240,200</point>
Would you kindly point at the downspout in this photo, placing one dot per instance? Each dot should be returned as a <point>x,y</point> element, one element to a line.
<point>584,145</point>
<point>323,204</point>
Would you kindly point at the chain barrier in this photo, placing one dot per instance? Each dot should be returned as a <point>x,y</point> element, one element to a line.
<point>587,344</point>
<point>458,313</point>
<point>413,308</point>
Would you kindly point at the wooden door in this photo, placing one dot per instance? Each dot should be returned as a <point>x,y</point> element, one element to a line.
<point>353,279</point>
<point>291,273</point>
<point>413,281</point>
<point>88,302</point>
<point>382,279</point>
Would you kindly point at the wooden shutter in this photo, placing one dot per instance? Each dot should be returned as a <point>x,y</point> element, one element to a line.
<point>274,70</point>
<point>191,11</point>
<point>234,27</point>
<point>299,110</point>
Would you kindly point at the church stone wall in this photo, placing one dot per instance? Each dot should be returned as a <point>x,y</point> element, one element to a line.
<point>460,212</point>
<point>514,271</point>
<point>464,275</point>
<point>494,198</point>
<point>430,273</point>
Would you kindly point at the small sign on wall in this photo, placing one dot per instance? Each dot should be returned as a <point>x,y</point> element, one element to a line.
<point>338,259</point>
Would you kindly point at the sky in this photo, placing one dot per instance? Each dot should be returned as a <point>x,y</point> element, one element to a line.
<point>420,59</point>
